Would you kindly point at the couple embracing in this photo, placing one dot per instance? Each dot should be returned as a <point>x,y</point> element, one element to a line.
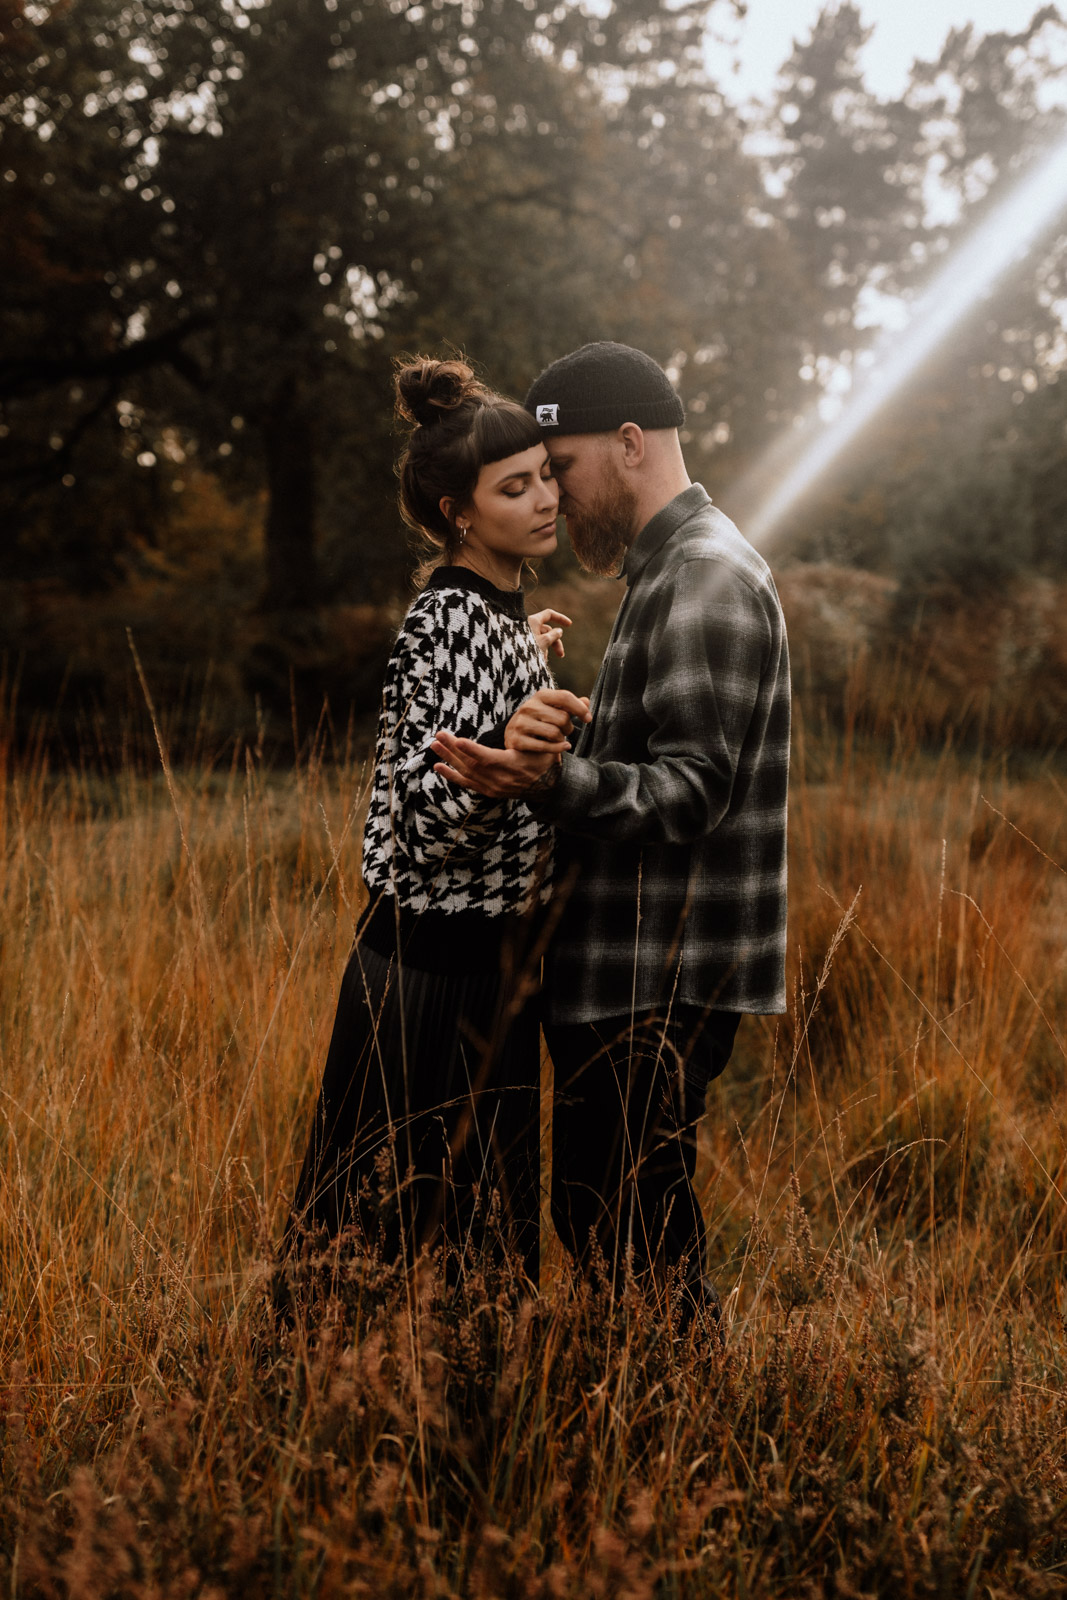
<point>609,870</point>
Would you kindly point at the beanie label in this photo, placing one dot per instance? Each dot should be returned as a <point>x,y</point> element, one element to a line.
<point>548,416</point>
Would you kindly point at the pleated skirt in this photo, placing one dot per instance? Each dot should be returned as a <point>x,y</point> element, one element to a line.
<point>426,1130</point>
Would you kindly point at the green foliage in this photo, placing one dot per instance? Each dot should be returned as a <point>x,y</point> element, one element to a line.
<point>954,484</point>
<point>294,192</point>
<point>222,222</point>
<point>850,173</point>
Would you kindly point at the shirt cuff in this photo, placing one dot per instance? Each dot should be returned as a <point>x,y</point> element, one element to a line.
<point>571,796</point>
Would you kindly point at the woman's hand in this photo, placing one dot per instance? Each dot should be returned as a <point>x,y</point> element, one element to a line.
<point>543,723</point>
<point>500,774</point>
<point>548,629</point>
<point>534,741</point>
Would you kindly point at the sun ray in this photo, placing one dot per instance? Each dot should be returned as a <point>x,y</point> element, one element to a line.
<point>1004,236</point>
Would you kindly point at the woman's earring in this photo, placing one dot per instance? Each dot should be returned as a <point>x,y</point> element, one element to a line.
<point>462,531</point>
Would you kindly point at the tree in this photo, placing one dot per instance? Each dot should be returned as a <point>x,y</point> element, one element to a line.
<point>941,488</point>
<point>66,362</point>
<point>282,195</point>
<point>847,169</point>
<point>218,165</point>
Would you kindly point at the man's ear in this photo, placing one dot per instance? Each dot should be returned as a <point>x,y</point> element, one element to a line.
<point>632,440</point>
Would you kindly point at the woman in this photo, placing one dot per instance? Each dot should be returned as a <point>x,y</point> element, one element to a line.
<point>426,1129</point>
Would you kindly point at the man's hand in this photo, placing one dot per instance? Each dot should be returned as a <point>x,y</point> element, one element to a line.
<point>544,722</point>
<point>548,629</point>
<point>534,740</point>
<point>501,774</point>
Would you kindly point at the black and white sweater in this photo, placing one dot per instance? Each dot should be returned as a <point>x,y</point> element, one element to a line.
<point>465,659</point>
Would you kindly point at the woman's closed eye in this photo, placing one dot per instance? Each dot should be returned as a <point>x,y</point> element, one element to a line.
<point>515,491</point>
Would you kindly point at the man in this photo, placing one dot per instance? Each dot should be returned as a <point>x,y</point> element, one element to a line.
<point>670,813</point>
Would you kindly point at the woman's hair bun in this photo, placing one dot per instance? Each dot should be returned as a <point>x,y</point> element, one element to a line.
<point>427,391</point>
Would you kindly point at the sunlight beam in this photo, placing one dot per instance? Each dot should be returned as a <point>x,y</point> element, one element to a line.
<point>1000,240</point>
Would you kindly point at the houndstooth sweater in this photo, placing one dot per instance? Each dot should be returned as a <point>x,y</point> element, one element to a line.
<point>465,659</point>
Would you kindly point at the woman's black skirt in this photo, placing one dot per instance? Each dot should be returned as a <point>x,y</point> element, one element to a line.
<point>426,1128</point>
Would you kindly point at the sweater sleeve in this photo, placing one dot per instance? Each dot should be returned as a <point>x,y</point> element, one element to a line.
<point>431,684</point>
<point>707,653</point>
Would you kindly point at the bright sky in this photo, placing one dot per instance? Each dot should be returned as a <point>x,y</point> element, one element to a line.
<point>903,29</point>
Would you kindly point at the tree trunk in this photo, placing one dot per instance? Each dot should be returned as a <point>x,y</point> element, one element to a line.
<point>292,575</point>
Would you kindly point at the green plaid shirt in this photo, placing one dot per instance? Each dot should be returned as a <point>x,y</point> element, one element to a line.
<point>671,810</point>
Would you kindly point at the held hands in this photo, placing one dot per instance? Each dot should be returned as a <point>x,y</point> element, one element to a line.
<point>545,721</point>
<point>548,629</point>
<point>534,741</point>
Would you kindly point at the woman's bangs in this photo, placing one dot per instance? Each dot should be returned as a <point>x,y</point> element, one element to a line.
<point>504,430</point>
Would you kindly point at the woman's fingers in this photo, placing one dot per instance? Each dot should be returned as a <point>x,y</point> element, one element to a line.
<point>549,619</point>
<point>443,770</point>
<point>499,773</point>
<point>550,640</point>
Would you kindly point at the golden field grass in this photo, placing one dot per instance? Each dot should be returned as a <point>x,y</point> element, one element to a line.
<point>884,1172</point>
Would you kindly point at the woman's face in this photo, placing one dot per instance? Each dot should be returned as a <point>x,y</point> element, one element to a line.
<point>512,513</point>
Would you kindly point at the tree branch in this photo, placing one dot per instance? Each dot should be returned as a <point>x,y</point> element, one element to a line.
<point>31,375</point>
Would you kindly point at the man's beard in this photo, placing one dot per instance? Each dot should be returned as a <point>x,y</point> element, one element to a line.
<point>601,534</point>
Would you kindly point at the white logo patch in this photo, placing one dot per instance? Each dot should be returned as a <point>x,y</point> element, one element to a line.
<point>548,416</point>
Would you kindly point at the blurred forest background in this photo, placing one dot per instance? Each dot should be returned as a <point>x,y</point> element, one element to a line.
<point>223,219</point>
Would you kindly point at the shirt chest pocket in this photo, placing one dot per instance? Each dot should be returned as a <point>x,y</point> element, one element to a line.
<point>618,694</point>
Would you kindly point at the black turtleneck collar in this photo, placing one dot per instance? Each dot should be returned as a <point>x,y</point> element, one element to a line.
<point>512,602</point>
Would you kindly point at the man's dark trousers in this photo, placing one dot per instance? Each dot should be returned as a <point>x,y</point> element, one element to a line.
<point>627,1099</point>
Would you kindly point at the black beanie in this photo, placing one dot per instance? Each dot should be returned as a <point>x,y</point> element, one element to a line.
<point>599,387</point>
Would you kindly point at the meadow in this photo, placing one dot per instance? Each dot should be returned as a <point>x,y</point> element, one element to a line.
<point>884,1172</point>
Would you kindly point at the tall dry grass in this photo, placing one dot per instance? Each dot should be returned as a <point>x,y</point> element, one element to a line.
<point>884,1171</point>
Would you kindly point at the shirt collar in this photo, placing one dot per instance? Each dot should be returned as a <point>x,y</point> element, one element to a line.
<point>512,602</point>
<point>655,533</point>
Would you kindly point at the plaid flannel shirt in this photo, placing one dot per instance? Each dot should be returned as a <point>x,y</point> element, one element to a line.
<point>671,811</point>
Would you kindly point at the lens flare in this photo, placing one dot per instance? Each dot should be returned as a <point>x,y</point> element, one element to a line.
<point>1000,240</point>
